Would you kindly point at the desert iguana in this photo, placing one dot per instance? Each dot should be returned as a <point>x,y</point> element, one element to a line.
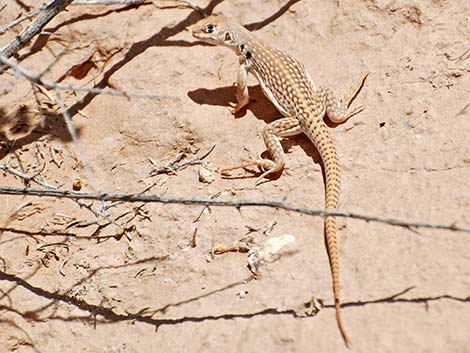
<point>288,86</point>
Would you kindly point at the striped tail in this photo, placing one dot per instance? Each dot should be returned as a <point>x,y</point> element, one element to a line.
<point>332,186</point>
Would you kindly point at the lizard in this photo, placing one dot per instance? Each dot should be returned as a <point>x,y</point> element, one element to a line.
<point>287,84</point>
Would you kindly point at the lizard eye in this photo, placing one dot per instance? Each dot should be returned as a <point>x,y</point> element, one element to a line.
<point>209,28</point>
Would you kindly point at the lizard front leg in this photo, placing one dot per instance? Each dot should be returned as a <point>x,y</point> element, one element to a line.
<point>284,127</point>
<point>242,95</point>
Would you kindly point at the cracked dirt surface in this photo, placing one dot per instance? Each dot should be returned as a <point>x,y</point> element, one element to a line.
<point>72,282</point>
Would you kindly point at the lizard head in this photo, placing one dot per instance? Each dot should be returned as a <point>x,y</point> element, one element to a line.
<point>215,29</point>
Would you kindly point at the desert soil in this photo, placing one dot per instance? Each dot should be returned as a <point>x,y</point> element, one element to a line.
<point>147,282</point>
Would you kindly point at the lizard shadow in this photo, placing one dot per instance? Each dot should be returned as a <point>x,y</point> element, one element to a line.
<point>262,109</point>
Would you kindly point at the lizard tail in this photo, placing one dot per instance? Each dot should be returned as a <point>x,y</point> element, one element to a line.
<point>332,185</point>
<point>330,239</point>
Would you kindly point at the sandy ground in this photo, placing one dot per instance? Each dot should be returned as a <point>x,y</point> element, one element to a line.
<point>72,282</point>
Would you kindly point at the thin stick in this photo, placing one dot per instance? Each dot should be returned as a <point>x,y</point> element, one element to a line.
<point>174,167</point>
<point>225,203</point>
<point>73,133</point>
<point>30,14</point>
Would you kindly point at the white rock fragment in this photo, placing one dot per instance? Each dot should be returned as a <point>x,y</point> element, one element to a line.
<point>205,175</point>
<point>259,255</point>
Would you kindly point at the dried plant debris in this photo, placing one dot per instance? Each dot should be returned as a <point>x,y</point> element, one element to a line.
<point>243,245</point>
<point>179,160</point>
<point>268,252</point>
<point>192,243</point>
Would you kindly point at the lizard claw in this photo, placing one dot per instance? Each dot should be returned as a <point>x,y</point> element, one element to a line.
<point>355,111</point>
<point>233,107</point>
<point>241,103</point>
<point>263,176</point>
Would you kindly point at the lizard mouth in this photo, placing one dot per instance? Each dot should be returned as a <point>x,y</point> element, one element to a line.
<point>197,33</point>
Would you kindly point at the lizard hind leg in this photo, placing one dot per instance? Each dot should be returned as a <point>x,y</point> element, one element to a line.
<point>271,135</point>
<point>338,111</point>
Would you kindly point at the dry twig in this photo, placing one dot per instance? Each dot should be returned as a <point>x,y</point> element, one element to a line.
<point>46,14</point>
<point>226,203</point>
<point>30,14</point>
<point>173,167</point>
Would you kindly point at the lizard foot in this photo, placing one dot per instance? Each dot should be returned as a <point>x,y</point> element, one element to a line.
<point>267,165</point>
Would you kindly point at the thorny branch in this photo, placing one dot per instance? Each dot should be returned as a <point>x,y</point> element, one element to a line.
<point>225,203</point>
